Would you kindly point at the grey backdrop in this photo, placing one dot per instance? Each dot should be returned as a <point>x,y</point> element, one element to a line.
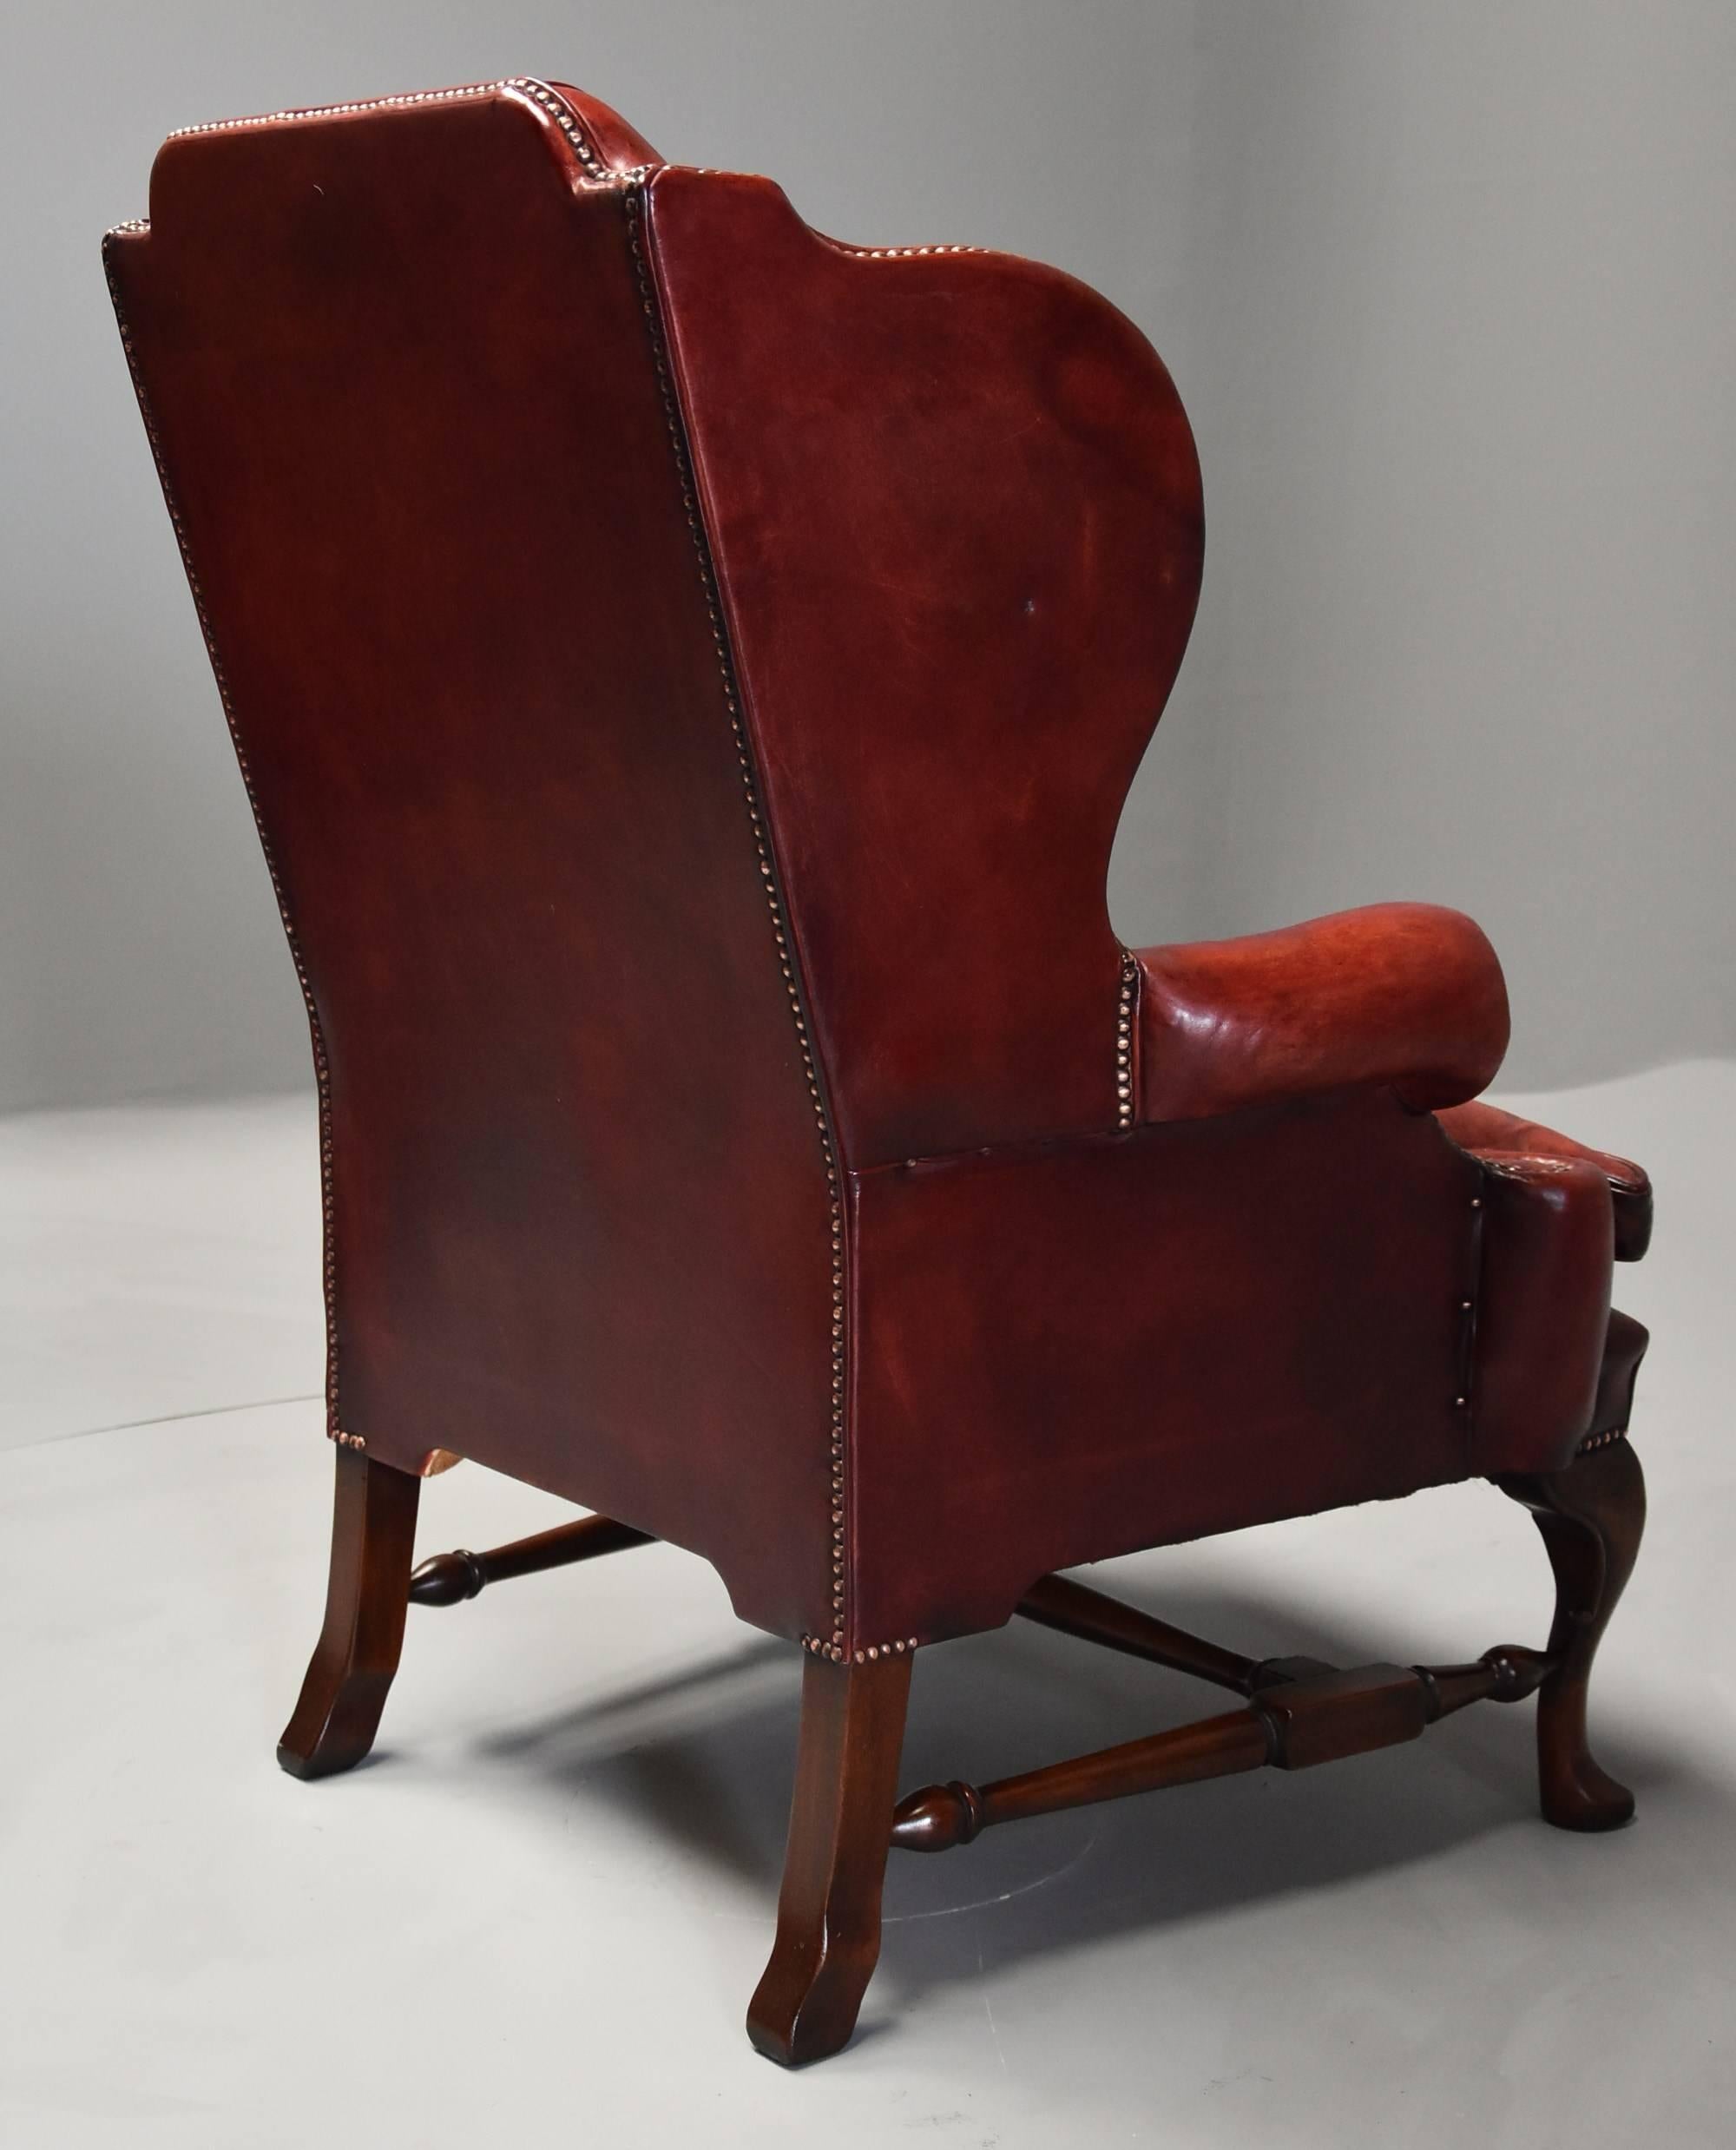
<point>1449,293</point>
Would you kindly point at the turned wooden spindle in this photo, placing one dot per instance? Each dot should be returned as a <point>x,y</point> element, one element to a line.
<point>451,1578</point>
<point>1296,1720</point>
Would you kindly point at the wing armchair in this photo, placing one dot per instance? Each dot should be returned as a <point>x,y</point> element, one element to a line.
<point>687,673</point>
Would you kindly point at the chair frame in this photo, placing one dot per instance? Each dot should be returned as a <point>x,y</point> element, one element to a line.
<point>845,1814</point>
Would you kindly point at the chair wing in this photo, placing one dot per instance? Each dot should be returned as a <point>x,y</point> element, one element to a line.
<point>955,509</point>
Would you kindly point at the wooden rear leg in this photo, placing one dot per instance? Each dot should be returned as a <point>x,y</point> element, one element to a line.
<point>828,1941</point>
<point>1591,1516</point>
<point>373,1533</point>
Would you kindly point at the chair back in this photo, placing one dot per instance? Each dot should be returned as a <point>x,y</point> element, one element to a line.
<point>687,673</point>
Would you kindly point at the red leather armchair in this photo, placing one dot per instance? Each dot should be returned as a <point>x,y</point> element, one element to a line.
<point>687,672</point>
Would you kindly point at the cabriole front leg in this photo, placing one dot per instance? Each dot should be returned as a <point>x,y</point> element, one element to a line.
<point>852,1732</point>
<point>1591,1516</point>
<point>373,1537</point>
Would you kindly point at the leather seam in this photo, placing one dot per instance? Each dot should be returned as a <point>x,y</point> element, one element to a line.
<point>1025,1146</point>
<point>1017,1147</point>
<point>322,1077</point>
<point>635,204</point>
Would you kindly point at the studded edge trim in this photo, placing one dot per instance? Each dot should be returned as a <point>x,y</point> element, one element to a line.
<point>1127,1008</point>
<point>630,183</point>
<point>830,1646</point>
<point>321,1068</point>
<point>132,227</point>
<point>524,85</point>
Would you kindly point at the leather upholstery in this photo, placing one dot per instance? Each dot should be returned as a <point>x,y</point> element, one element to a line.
<point>956,508</point>
<point>1407,995</point>
<point>1543,1312</point>
<point>687,672</point>
<point>619,146</point>
<point>1624,1349</point>
<point>578,1215</point>
<point>1073,1350</point>
<point>1498,1136</point>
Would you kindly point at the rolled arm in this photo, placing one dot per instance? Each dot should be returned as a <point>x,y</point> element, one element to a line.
<point>1405,995</point>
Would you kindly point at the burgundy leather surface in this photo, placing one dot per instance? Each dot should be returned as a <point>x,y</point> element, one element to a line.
<point>401,377</point>
<point>621,147</point>
<point>1073,1351</point>
<point>1406,994</point>
<point>599,1213</point>
<point>1499,1135</point>
<point>1542,1310</point>
<point>956,508</point>
<point>1624,1347</point>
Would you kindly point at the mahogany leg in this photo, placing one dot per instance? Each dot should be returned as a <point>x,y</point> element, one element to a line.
<point>373,1533</point>
<point>1591,1516</point>
<point>828,1939</point>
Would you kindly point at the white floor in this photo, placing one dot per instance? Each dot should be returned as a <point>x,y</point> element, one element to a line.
<point>535,1916</point>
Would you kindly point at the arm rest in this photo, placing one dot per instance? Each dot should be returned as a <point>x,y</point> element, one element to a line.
<point>1502,1138</point>
<point>1405,995</point>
